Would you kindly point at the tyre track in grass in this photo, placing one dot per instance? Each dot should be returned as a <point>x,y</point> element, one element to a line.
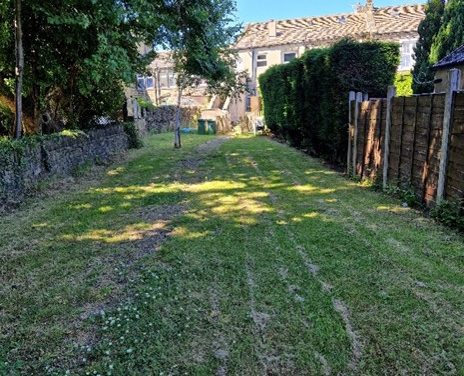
<point>359,223</point>
<point>260,319</point>
<point>313,270</point>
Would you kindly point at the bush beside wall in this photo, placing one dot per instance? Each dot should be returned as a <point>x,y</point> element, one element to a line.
<point>306,101</point>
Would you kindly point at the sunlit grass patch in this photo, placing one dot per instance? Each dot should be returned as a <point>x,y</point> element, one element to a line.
<point>268,263</point>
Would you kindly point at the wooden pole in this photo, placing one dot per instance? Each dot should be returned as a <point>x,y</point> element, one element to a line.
<point>386,152</point>
<point>351,99</point>
<point>359,98</point>
<point>177,140</point>
<point>454,78</point>
<point>19,70</point>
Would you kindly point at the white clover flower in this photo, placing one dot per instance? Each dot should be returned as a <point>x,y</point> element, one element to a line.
<point>129,351</point>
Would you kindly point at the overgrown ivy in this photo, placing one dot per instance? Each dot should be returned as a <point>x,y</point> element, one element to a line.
<point>135,142</point>
<point>9,146</point>
<point>305,101</point>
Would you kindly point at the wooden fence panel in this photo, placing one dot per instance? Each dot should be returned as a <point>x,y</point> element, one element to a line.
<point>415,144</point>
<point>433,165</point>
<point>455,172</point>
<point>423,136</point>
<point>407,141</point>
<point>396,139</point>
<point>362,125</point>
<point>374,138</point>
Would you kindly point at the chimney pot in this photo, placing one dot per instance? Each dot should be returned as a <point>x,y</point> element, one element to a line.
<point>272,26</point>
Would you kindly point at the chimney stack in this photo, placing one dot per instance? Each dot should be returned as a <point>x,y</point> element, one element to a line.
<point>272,26</point>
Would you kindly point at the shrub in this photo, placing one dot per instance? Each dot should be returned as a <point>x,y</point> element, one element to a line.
<point>6,120</point>
<point>403,83</point>
<point>306,101</point>
<point>135,141</point>
<point>450,214</point>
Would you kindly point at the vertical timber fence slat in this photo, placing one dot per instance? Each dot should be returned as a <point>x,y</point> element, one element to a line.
<point>366,134</point>
<point>454,77</point>
<point>386,156</point>
<point>414,137</point>
<point>425,174</point>
<point>359,97</point>
<point>351,99</point>
<point>400,149</point>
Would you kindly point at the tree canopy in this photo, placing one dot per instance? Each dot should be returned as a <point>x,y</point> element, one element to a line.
<point>80,53</point>
<point>428,28</point>
<point>451,33</point>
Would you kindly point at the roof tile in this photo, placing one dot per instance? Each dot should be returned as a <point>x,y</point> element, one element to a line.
<point>317,31</point>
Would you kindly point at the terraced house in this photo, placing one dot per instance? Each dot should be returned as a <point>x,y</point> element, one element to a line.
<point>265,44</point>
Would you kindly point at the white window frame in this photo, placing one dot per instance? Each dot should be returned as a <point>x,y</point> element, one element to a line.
<point>142,82</point>
<point>260,59</point>
<point>411,43</point>
<point>288,53</point>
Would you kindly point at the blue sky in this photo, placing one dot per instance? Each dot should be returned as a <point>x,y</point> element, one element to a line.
<point>262,10</point>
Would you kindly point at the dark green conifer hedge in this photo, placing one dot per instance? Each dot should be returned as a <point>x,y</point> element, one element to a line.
<point>306,101</point>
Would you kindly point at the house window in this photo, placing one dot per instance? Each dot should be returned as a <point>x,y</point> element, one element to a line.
<point>149,82</point>
<point>172,79</point>
<point>289,56</point>
<point>167,79</point>
<point>145,82</point>
<point>407,54</point>
<point>261,60</point>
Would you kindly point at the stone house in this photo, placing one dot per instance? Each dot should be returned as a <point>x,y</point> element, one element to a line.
<point>453,60</point>
<point>265,44</point>
<point>158,85</point>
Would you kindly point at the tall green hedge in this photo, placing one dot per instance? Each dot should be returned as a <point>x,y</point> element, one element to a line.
<point>305,101</point>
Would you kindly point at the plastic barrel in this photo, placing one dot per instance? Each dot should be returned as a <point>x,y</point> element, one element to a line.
<point>212,129</point>
<point>201,126</point>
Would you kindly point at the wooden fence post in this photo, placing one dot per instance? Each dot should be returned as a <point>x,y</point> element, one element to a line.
<point>351,99</point>
<point>386,152</point>
<point>454,78</point>
<point>359,98</point>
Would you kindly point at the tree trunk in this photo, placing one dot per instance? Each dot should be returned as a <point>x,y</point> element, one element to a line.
<point>177,141</point>
<point>19,70</point>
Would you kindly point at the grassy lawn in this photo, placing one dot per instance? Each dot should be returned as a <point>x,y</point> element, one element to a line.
<point>258,261</point>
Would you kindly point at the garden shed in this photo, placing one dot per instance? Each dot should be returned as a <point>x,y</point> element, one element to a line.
<point>453,60</point>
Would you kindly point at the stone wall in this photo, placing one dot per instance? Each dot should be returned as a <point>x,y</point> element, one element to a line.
<point>22,169</point>
<point>163,118</point>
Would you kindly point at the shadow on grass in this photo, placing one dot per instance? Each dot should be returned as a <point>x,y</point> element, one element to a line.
<point>83,253</point>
